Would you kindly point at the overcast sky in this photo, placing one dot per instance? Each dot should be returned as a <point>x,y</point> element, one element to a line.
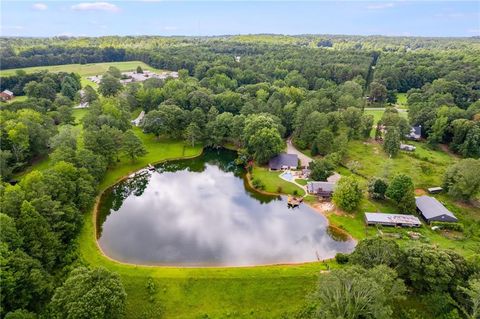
<point>404,18</point>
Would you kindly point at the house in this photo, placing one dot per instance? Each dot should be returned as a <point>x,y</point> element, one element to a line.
<point>6,95</point>
<point>415,133</point>
<point>432,210</point>
<point>435,190</point>
<point>283,161</point>
<point>322,189</point>
<point>392,220</point>
<point>407,147</point>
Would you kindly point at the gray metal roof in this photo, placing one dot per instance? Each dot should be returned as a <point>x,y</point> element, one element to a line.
<point>432,209</point>
<point>283,159</point>
<point>314,187</point>
<point>392,219</point>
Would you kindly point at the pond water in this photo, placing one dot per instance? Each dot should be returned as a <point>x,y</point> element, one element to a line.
<point>201,212</point>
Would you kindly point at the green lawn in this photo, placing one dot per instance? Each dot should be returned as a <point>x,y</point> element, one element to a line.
<point>273,183</point>
<point>402,100</point>
<point>425,166</point>
<point>84,69</point>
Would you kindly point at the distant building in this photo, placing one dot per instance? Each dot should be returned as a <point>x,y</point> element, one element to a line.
<point>392,220</point>
<point>432,210</point>
<point>283,161</point>
<point>415,133</point>
<point>435,190</point>
<point>407,147</point>
<point>6,95</point>
<point>322,189</point>
<point>139,119</point>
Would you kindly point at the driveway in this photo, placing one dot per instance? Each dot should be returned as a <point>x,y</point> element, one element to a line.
<point>304,159</point>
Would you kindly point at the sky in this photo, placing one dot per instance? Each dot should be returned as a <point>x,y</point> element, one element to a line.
<point>197,18</point>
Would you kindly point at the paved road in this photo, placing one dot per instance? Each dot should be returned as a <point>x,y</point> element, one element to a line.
<point>382,109</point>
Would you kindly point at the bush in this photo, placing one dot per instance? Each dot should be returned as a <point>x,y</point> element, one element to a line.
<point>342,258</point>
<point>450,226</point>
<point>258,184</point>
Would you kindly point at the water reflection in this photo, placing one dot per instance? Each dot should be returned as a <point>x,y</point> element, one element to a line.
<point>199,212</point>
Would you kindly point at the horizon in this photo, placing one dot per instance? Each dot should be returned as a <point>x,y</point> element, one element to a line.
<point>442,19</point>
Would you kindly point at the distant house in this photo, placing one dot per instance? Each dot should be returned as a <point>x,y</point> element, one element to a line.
<point>407,147</point>
<point>392,220</point>
<point>6,95</point>
<point>322,189</point>
<point>139,119</point>
<point>283,161</point>
<point>432,210</point>
<point>415,133</point>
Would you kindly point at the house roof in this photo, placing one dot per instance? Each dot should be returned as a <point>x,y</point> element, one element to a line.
<point>282,160</point>
<point>431,208</point>
<point>8,92</point>
<point>417,130</point>
<point>314,187</point>
<point>392,218</point>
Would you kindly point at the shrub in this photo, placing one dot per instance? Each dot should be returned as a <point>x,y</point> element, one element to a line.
<point>342,258</point>
<point>450,226</point>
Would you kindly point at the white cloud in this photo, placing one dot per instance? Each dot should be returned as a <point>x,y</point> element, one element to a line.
<point>96,6</point>
<point>380,5</point>
<point>40,6</point>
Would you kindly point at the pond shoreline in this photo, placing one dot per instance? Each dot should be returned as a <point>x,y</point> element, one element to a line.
<point>98,202</point>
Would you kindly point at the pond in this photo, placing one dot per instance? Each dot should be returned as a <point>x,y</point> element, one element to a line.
<point>201,212</point>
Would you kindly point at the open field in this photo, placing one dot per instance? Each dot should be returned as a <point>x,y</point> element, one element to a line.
<point>84,69</point>
<point>402,100</point>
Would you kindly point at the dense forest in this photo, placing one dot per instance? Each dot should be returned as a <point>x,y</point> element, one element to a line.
<point>251,92</point>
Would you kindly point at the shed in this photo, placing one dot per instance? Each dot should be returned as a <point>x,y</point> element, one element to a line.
<point>432,210</point>
<point>407,147</point>
<point>6,95</point>
<point>283,161</point>
<point>392,220</point>
<point>323,189</point>
<point>435,190</point>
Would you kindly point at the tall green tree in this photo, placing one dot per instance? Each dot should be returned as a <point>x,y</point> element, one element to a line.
<point>133,146</point>
<point>355,292</point>
<point>109,85</point>
<point>320,169</point>
<point>391,145</point>
<point>265,144</point>
<point>401,190</point>
<point>95,294</point>
<point>193,134</point>
<point>348,193</point>
<point>462,179</point>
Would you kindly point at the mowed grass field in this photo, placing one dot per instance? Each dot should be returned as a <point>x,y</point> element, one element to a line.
<point>85,70</point>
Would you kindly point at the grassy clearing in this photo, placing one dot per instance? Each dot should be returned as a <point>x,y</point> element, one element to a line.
<point>84,69</point>
<point>402,100</point>
<point>273,183</point>
<point>425,166</point>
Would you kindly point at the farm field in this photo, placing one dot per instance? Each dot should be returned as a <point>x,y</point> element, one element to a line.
<point>84,69</point>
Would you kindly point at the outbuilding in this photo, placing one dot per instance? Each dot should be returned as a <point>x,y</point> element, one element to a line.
<point>432,210</point>
<point>322,189</point>
<point>392,220</point>
<point>415,133</point>
<point>6,95</point>
<point>283,161</point>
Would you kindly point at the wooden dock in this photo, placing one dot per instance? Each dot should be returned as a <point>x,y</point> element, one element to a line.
<point>294,201</point>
